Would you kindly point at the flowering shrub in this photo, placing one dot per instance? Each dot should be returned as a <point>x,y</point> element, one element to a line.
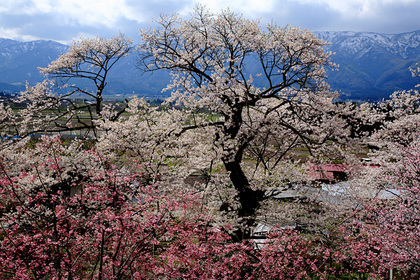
<point>67,212</point>
<point>110,227</point>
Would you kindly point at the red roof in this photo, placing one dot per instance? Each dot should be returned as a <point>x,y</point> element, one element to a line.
<point>328,172</point>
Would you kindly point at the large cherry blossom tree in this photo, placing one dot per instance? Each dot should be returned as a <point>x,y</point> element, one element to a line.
<point>264,116</point>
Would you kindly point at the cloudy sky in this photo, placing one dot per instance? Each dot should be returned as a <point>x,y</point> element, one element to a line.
<point>64,20</point>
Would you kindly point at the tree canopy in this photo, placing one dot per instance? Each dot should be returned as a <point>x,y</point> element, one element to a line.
<point>58,103</point>
<point>285,105</point>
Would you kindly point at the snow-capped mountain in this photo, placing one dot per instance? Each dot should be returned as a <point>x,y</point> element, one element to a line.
<point>371,65</point>
<point>404,45</point>
<point>19,61</point>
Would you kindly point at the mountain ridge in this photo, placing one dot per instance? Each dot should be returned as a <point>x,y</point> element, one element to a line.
<point>372,65</point>
<point>402,44</point>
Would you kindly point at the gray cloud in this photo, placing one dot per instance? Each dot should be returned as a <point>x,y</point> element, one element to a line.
<point>385,18</point>
<point>63,21</point>
<point>312,16</point>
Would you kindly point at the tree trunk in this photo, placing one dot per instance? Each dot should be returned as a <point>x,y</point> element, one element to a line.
<point>249,199</point>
